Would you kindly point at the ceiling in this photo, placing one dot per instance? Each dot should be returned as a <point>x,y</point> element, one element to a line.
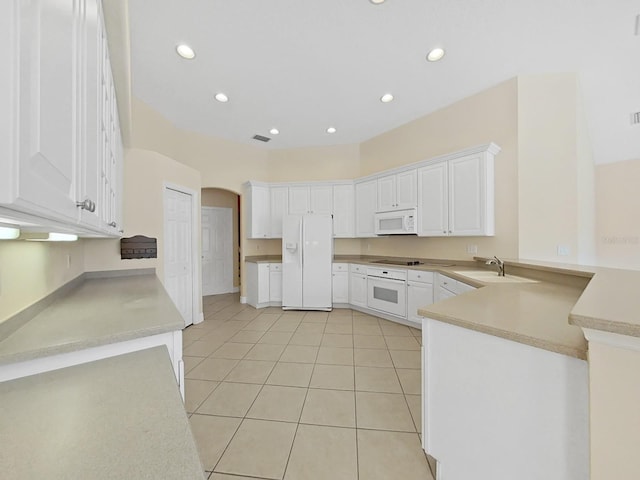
<point>302,65</point>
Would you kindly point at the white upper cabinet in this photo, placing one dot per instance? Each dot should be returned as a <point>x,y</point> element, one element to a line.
<point>456,196</point>
<point>315,199</point>
<point>279,208</point>
<point>366,201</point>
<point>57,63</point>
<point>257,210</point>
<point>471,196</point>
<point>343,211</point>
<point>47,64</point>
<point>433,210</point>
<point>397,191</point>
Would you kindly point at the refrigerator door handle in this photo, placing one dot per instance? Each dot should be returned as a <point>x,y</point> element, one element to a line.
<point>300,240</point>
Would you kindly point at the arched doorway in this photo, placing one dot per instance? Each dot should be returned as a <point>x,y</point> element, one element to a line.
<point>220,241</point>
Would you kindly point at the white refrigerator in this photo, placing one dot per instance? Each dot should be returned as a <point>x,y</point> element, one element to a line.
<point>307,255</point>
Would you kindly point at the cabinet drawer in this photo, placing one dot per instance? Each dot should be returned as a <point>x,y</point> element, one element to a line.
<point>355,268</point>
<point>340,267</point>
<point>420,276</point>
<point>275,267</point>
<point>454,286</point>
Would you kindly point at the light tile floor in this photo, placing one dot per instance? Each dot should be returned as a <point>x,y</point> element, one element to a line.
<point>303,395</point>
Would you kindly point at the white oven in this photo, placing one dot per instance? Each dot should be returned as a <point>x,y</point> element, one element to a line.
<point>387,290</point>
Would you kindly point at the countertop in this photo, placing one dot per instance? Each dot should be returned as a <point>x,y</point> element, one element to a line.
<point>117,418</point>
<point>534,314</point>
<point>99,311</point>
<point>548,314</point>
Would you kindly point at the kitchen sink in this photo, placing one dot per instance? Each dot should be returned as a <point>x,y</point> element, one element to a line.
<point>487,276</point>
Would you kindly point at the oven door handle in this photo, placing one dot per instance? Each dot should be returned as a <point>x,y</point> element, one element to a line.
<point>386,279</point>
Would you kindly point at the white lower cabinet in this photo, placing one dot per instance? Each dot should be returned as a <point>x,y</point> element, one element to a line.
<point>275,282</point>
<point>358,285</point>
<point>447,287</point>
<point>258,292</point>
<point>419,293</point>
<point>340,279</point>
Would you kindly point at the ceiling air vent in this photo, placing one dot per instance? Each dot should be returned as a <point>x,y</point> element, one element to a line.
<point>261,138</point>
<point>635,118</point>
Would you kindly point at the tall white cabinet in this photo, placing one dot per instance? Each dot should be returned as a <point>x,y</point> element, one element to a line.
<point>62,152</point>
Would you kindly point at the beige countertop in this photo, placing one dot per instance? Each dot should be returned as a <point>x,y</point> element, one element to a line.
<point>121,417</point>
<point>546,314</point>
<point>531,313</point>
<point>99,311</point>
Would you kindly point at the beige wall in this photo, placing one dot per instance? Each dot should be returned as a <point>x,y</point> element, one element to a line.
<point>489,116</point>
<point>338,162</point>
<point>555,169</point>
<point>216,197</point>
<point>614,413</point>
<point>145,173</point>
<point>32,270</point>
<point>618,214</point>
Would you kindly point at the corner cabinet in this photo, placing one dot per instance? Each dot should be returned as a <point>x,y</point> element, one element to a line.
<point>456,196</point>
<point>366,201</point>
<point>343,211</point>
<point>59,118</point>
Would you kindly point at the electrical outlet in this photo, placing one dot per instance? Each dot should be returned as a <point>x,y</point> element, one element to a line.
<point>68,261</point>
<point>368,246</point>
<point>258,246</point>
<point>564,250</point>
<point>472,249</point>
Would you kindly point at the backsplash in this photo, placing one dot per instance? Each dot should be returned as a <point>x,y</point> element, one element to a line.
<point>32,270</point>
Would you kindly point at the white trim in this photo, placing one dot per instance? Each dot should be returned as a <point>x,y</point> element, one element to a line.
<point>612,339</point>
<point>200,318</point>
<point>243,300</point>
<point>195,243</point>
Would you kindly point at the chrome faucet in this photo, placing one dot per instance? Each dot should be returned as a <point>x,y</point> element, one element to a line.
<point>499,263</point>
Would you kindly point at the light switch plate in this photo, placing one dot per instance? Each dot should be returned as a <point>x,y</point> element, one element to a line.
<point>472,249</point>
<point>564,250</point>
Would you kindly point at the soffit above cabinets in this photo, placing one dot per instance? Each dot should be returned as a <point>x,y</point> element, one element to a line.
<point>302,67</point>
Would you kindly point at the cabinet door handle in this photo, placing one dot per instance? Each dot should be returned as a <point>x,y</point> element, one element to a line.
<point>113,224</point>
<point>87,205</point>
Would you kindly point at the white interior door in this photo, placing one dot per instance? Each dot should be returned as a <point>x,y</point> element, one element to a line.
<point>178,254</point>
<point>217,250</point>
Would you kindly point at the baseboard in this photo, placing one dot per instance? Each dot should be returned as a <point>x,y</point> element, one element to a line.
<point>386,316</point>
<point>243,299</point>
<point>200,318</point>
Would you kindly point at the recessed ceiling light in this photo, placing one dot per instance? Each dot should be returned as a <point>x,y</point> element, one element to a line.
<point>331,130</point>
<point>221,97</point>
<point>386,98</point>
<point>185,51</point>
<point>376,2</point>
<point>274,131</point>
<point>435,54</point>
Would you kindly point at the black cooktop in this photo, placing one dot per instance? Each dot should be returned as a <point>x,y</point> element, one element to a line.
<point>411,262</point>
<point>399,262</point>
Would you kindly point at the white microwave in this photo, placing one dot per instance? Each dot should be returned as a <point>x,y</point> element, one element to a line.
<point>397,222</point>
